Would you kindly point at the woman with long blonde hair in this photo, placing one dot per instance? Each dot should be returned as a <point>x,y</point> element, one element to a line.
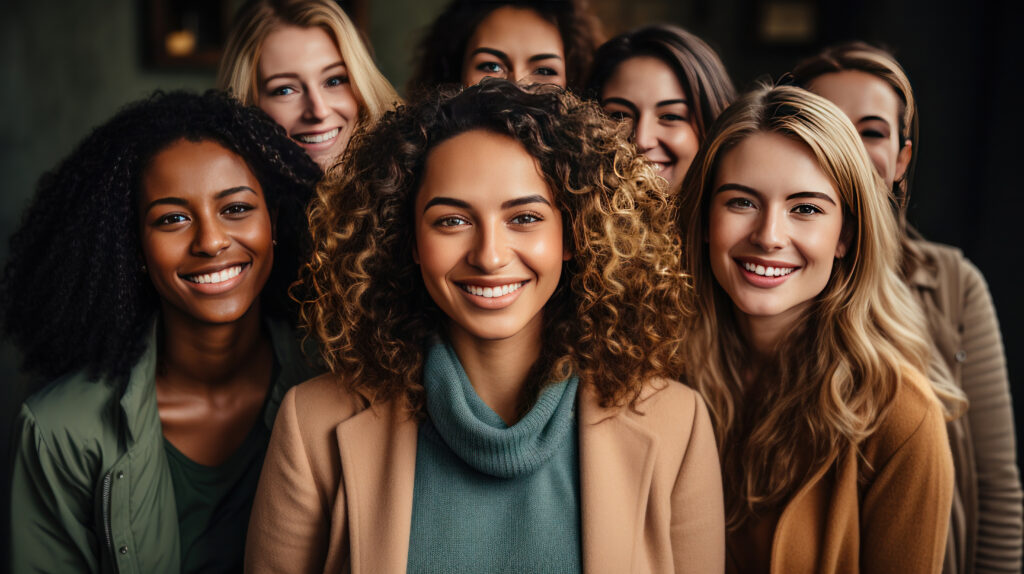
<point>304,63</point>
<point>871,87</point>
<point>807,347</point>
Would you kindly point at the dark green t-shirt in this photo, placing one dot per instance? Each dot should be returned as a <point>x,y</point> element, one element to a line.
<point>214,504</point>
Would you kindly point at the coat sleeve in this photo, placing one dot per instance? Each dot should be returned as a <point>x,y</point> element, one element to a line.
<point>52,505</point>
<point>698,512</point>
<point>288,528</point>
<point>990,416</point>
<point>906,507</point>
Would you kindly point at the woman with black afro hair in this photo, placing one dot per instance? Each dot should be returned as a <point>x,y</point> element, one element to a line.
<point>150,280</point>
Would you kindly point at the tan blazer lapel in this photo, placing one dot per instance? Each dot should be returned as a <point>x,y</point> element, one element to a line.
<point>616,467</point>
<point>378,461</point>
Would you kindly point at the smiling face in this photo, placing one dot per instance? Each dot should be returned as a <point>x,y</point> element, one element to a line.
<point>515,44</point>
<point>488,237</point>
<point>304,86</point>
<point>646,91</point>
<point>874,108</point>
<point>205,231</point>
<point>774,228</point>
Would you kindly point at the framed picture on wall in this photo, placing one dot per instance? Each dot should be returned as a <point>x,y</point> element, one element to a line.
<point>191,34</point>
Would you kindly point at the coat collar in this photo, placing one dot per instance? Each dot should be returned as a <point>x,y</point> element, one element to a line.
<point>378,460</point>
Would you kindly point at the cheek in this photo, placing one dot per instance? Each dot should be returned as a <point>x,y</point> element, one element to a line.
<point>883,158</point>
<point>345,105</point>
<point>723,234</point>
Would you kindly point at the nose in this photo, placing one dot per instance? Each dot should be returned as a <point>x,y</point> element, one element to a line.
<point>770,231</point>
<point>645,133</point>
<point>210,239</point>
<point>316,107</point>
<point>491,250</point>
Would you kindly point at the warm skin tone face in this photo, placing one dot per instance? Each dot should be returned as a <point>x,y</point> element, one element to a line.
<point>304,86</point>
<point>874,108</point>
<point>774,229</point>
<point>489,245</point>
<point>207,243</point>
<point>646,91</point>
<point>515,44</point>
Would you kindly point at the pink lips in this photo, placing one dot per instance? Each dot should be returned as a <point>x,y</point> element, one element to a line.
<point>763,281</point>
<point>221,287</point>
<point>492,303</point>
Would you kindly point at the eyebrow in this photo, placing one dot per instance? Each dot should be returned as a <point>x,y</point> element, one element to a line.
<point>671,102</point>
<point>622,102</point>
<point>339,63</point>
<point>451,201</point>
<point>752,191</point>
<point>504,57</point>
<point>180,201</point>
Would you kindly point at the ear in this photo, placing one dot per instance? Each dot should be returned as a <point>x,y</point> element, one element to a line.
<point>845,238</point>
<point>903,160</point>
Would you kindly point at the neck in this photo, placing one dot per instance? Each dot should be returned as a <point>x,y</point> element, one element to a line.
<point>197,354</point>
<point>762,334</point>
<point>497,369</point>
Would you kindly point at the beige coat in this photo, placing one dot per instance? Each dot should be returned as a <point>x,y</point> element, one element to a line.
<point>337,485</point>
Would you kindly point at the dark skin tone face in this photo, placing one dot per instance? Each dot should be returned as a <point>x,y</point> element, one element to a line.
<point>207,241</point>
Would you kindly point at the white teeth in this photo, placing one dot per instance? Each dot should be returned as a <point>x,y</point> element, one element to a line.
<point>491,292</point>
<point>768,271</point>
<point>216,276</point>
<point>318,138</point>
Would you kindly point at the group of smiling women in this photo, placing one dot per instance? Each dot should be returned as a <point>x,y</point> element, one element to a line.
<point>301,326</point>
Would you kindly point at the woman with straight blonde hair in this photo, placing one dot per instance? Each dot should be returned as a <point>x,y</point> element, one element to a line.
<point>303,62</point>
<point>807,348</point>
<point>870,86</point>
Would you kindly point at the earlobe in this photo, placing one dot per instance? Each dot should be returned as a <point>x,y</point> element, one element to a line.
<point>903,160</point>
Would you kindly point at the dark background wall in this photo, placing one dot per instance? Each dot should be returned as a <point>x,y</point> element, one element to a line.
<point>69,66</point>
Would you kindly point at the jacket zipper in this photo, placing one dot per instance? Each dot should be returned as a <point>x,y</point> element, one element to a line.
<point>107,529</point>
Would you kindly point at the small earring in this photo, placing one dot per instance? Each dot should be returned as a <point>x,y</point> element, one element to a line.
<point>274,241</point>
<point>144,269</point>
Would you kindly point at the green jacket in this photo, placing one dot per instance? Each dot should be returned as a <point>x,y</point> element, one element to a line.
<point>91,488</point>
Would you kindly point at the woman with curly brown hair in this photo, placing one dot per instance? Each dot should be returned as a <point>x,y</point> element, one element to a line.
<point>527,41</point>
<point>500,302</point>
<point>149,283</point>
<point>809,350</point>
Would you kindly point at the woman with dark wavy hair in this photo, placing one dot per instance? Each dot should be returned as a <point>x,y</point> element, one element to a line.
<point>500,303</point>
<point>669,84</point>
<point>149,278</point>
<point>527,41</point>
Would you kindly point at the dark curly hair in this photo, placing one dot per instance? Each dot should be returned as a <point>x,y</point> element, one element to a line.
<point>440,53</point>
<point>622,300</point>
<point>72,294</point>
<point>696,65</point>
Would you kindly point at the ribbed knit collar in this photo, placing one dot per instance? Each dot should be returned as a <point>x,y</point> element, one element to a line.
<point>477,435</point>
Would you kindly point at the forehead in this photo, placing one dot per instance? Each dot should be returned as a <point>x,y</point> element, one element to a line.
<point>774,165</point>
<point>516,30</point>
<point>641,79</point>
<point>859,94</point>
<point>195,169</point>
<point>481,168</point>
<point>290,48</point>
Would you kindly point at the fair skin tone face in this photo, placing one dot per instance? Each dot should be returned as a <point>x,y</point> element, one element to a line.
<point>304,85</point>
<point>515,44</point>
<point>489,245</point>
<point>645,91</point>
<point>873,107</point>
<point>774,229</point>
<point>207,242</point>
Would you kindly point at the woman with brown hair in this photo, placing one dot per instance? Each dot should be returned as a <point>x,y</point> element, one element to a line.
<point>870,86</point>
<point>670,85</point>
<point>808,349</point>
<point>526,41</point>
<point>500,302</point>
<point>304,63</point>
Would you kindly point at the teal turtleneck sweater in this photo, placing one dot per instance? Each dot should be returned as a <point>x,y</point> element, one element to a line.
<point>489,497</point>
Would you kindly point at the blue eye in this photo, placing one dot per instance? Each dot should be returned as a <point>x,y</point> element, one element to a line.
<point>283,91</point>
<point>336,81</point>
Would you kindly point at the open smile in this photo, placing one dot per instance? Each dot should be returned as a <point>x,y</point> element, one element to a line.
<point>494,296</point>
<point>317,138</point>
<point>766,274</point>
<point>216,281</point>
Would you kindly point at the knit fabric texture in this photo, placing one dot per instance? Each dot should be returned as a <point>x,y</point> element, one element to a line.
<point>489,497</point>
